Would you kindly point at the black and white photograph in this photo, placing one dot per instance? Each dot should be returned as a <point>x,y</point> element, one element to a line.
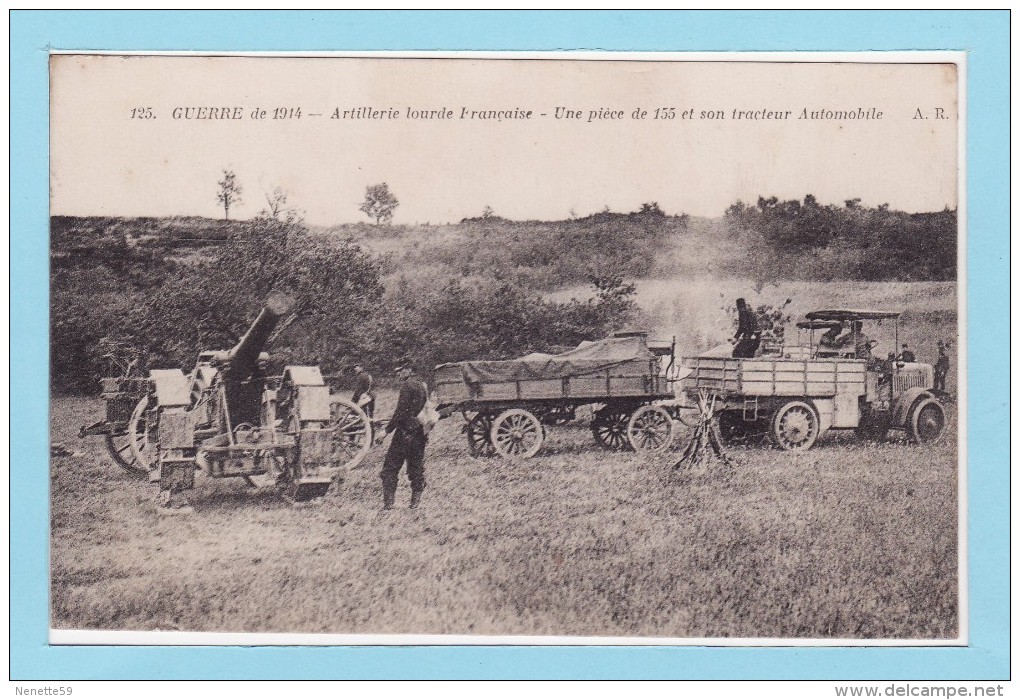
<point>471,348</point>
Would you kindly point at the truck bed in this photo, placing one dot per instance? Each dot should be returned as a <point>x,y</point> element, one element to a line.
<point>775,377</point>
<point>638,379</point>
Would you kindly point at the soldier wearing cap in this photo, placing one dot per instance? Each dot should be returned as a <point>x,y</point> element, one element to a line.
<point>408,443</point>
<point>941,368</point>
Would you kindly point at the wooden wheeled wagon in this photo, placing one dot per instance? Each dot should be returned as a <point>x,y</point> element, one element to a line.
<point>508,405</point>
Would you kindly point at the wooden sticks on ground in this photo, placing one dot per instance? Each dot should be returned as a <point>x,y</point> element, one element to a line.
<point>705,442</point>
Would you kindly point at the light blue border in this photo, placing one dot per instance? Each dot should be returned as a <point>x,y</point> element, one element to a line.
<point>984,35</point>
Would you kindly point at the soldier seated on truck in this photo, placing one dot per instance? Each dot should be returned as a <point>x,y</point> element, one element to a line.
<point>829,343</point>
<point>830,336</point>
<point>854,343</point>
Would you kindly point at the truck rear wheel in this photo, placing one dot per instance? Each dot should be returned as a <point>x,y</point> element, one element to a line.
<point>927,421</point>
<point>795,426</point>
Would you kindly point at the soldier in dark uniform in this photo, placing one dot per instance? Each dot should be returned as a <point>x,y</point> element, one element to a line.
<point>907,355</point>
<point>408,443</point>
<point>748,335</point>
<point>941,368</point>
<point>828,342</point>
<point>363,395</point>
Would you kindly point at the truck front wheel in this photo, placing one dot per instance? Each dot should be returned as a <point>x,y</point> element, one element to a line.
<point>795,426</point>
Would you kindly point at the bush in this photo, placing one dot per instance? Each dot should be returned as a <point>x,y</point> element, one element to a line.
<point>547,255</point>
<point>497,320</point>
<point>167,313</point>
<point>807,240</point>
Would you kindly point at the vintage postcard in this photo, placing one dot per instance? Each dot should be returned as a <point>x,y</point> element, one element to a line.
<point>522,348</point>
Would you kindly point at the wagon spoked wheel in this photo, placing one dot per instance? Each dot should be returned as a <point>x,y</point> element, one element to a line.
<point>516,434</point>
<point>142,452</point>
<point>795,427</point>
<point>119,447</point>
<point>927,421</point>
<point>609,426</point>
<point>650,429</point>
<point>352,433</point>
<point>479,435</point>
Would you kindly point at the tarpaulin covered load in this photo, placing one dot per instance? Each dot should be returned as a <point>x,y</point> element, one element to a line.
<point>586,358</point>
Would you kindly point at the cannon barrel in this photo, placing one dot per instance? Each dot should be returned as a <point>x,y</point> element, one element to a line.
<point>244,356</point>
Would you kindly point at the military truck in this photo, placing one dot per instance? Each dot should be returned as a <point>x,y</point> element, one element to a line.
<point>795,395</point>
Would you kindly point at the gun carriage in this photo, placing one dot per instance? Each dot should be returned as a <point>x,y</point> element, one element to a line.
<point>229,418</point>
<point>796,394</point>
<point>507,405</point>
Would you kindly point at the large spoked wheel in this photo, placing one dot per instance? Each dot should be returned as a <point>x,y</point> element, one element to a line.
<point>650,429</point>
<point>119,447</point>
<point>142,452</point>
<point>352,433</point>
<point>927,421</point>
<point>516,434</point>
<point>609,426</point>
<point>795,426</point>
<point>479,435</point>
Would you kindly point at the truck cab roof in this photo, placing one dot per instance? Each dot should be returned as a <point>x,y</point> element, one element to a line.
<point>850,315</point>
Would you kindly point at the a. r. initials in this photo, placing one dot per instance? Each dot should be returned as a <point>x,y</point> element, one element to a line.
<point>940,113</point>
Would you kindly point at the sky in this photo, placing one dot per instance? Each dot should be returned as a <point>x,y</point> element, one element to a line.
<point>118,150</point>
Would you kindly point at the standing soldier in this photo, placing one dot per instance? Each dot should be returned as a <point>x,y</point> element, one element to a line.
<point>408,443</point>
<point>941,368</point>
<point>748,336</point>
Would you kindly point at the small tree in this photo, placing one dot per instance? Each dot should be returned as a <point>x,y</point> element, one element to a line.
<point>276,200</point>
<point>379,203</point>
<point>487,212</point>
<point>651,209</point>
<point>229,192</point>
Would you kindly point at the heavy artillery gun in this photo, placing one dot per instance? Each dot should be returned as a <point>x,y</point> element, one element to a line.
<point>229,418</point>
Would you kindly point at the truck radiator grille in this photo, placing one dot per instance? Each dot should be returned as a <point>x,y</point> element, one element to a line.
<point>906,381</point>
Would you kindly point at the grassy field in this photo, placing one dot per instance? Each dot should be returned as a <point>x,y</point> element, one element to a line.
<point>850,540</point>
